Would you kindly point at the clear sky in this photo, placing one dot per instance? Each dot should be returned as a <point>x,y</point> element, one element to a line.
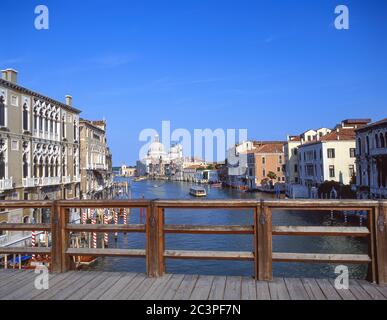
<point>275,67</point>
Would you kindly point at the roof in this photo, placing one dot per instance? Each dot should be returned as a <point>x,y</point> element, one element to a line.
<point>357,121</point>
<point>382,122</point>
<point>336,135</point>
<point>91,124</point>
<point>15,86</point>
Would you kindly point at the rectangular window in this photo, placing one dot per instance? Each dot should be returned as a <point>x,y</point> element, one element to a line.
<point>351,170</point>
<point>264,172</point>
<point>295,151</point>
<point>15,145</point>
<point>14,101</point>
<point>332,171</point>
<point>352,153</point>
<point>263,160</point>
<point>295,168</point>
<point>331,153</point>
<point>280,160</point>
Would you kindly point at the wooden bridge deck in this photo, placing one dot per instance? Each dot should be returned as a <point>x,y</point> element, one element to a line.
<point>92,285</point>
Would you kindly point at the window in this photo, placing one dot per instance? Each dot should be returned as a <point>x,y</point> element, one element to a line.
<point>309,170</point>
<point>2,166</point>
<point>331,153</point>
<point>332,171</point>
<point>2,111</point>
<point>25,166</point>
<point>264,172</point>
<point>295,151</point>
<point>359,145</point>
<point>35,122</point>
<point>376,141</point>
<point>278,169</point>
<point>75,131</point>
<point>25,117</point>
<point>263,160</point>
<point>280,160</point>
<point>14,101</point>
<point>382,142</point>
<point>351,170</point>
<point>352,152</point>
<point>368,146</point>
<point>15,145</point>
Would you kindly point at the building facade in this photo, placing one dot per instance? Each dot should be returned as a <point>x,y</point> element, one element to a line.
<point>96,160</point>
<point>39,150</point>
<point>266,165</point>
<point>371,160</point>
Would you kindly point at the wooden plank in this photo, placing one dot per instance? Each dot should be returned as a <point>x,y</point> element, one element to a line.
<point>249,290</point>
<point>88,286</point>
<point>29,288</point>
<point>157,286</point>
<point>25,250</point>
<point>170,289</point>
<point>102,204</point>
<point>25,227</point>
<point>106,252</point>
<point>105,285</point>
<point>129,228</point>
<point>20,204</point>
<point>217,289</point>
<point>142,289</point>
<point>321,258</point>
<point>278,290</point>
<point>345,294</point>
<point>379,242</point>
<point>312,288</point>
<point>194,229</point>
<point>63,220</point>
<point>118,287</point>
<point>202,288</point>
<point>54,282</point>
<point>161,240</point>
<point>16,283</point>
<point>209,255</point>
<point>57,291</point>
<point>296,289</point>
<point>321,231</point>
<point>233,290</point>
<point>131,287</point>
<point>372,290</point>
<point>263,292</point>
<point>263,243</point>
<point>186,287</point>
<point>357,290</point>
<point>328,289</point>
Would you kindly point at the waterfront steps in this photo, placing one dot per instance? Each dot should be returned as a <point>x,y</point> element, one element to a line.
<point>93,285</point>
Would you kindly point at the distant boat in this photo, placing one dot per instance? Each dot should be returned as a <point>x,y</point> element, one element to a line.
<point>198,191</point>
<point>139,179</point>
<point>216,185</point>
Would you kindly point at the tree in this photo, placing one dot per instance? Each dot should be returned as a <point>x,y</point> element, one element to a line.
<point>272,176</point>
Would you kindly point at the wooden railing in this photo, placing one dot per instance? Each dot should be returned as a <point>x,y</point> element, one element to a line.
<point>262,231</point>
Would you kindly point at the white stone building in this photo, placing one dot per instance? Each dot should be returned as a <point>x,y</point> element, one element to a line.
<point>371,154</point>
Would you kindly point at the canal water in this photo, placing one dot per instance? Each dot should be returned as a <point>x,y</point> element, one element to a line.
<point>296,244</point>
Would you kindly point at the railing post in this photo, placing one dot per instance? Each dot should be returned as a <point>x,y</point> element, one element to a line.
<point>154,240</point>
<point>380,232</point>
<point>263,243</point>
<point>64,215</point>
<point>56,249</point>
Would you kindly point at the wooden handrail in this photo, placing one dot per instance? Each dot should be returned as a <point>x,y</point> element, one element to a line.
<point>262,231</point>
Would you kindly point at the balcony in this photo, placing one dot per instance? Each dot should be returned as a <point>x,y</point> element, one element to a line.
<point>30,182</point>
<point>6,184</point>
<point>50,181</point>
<point>97,166</point>
<point>66,179</point>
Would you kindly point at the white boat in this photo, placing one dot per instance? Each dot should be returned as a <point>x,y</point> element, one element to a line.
<point>198,191</point>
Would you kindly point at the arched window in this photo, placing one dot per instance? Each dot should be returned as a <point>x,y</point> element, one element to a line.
<point>75,131</point>
<point>35,167</point>
<point>41,168</point>
<point>368,144</point>
<point>376,141</point>
<point>359,146</point>
<point>47,168</point>
<point>63,167</point>
<point>25,166</point>
<point>382,142</point>
<point>25,117</point>
<point>2,111</point>
<point>56,168</point>
<point>52,168</point>
<point>2,165</point>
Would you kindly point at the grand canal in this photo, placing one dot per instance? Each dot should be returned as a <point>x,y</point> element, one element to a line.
<point>179,190</point>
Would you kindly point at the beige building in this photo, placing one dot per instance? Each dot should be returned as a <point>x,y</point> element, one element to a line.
<point>96,160</point>
<point>127,171</point>
<point>39,149</point>
<point>266,164</point>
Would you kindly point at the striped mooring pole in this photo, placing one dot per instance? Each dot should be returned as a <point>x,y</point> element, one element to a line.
<point>105,221</point>
<point>33,242</point>
<point>94,221</point>
<point>84,216</point>
<point>116,223</point>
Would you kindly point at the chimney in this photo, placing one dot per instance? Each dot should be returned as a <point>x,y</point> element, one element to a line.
<point>69,100</point>
<point>9,75</point>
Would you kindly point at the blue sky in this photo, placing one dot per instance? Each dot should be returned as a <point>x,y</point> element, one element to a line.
<point>273,67</point>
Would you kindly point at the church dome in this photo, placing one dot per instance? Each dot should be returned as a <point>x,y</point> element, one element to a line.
<point>156,149</point>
